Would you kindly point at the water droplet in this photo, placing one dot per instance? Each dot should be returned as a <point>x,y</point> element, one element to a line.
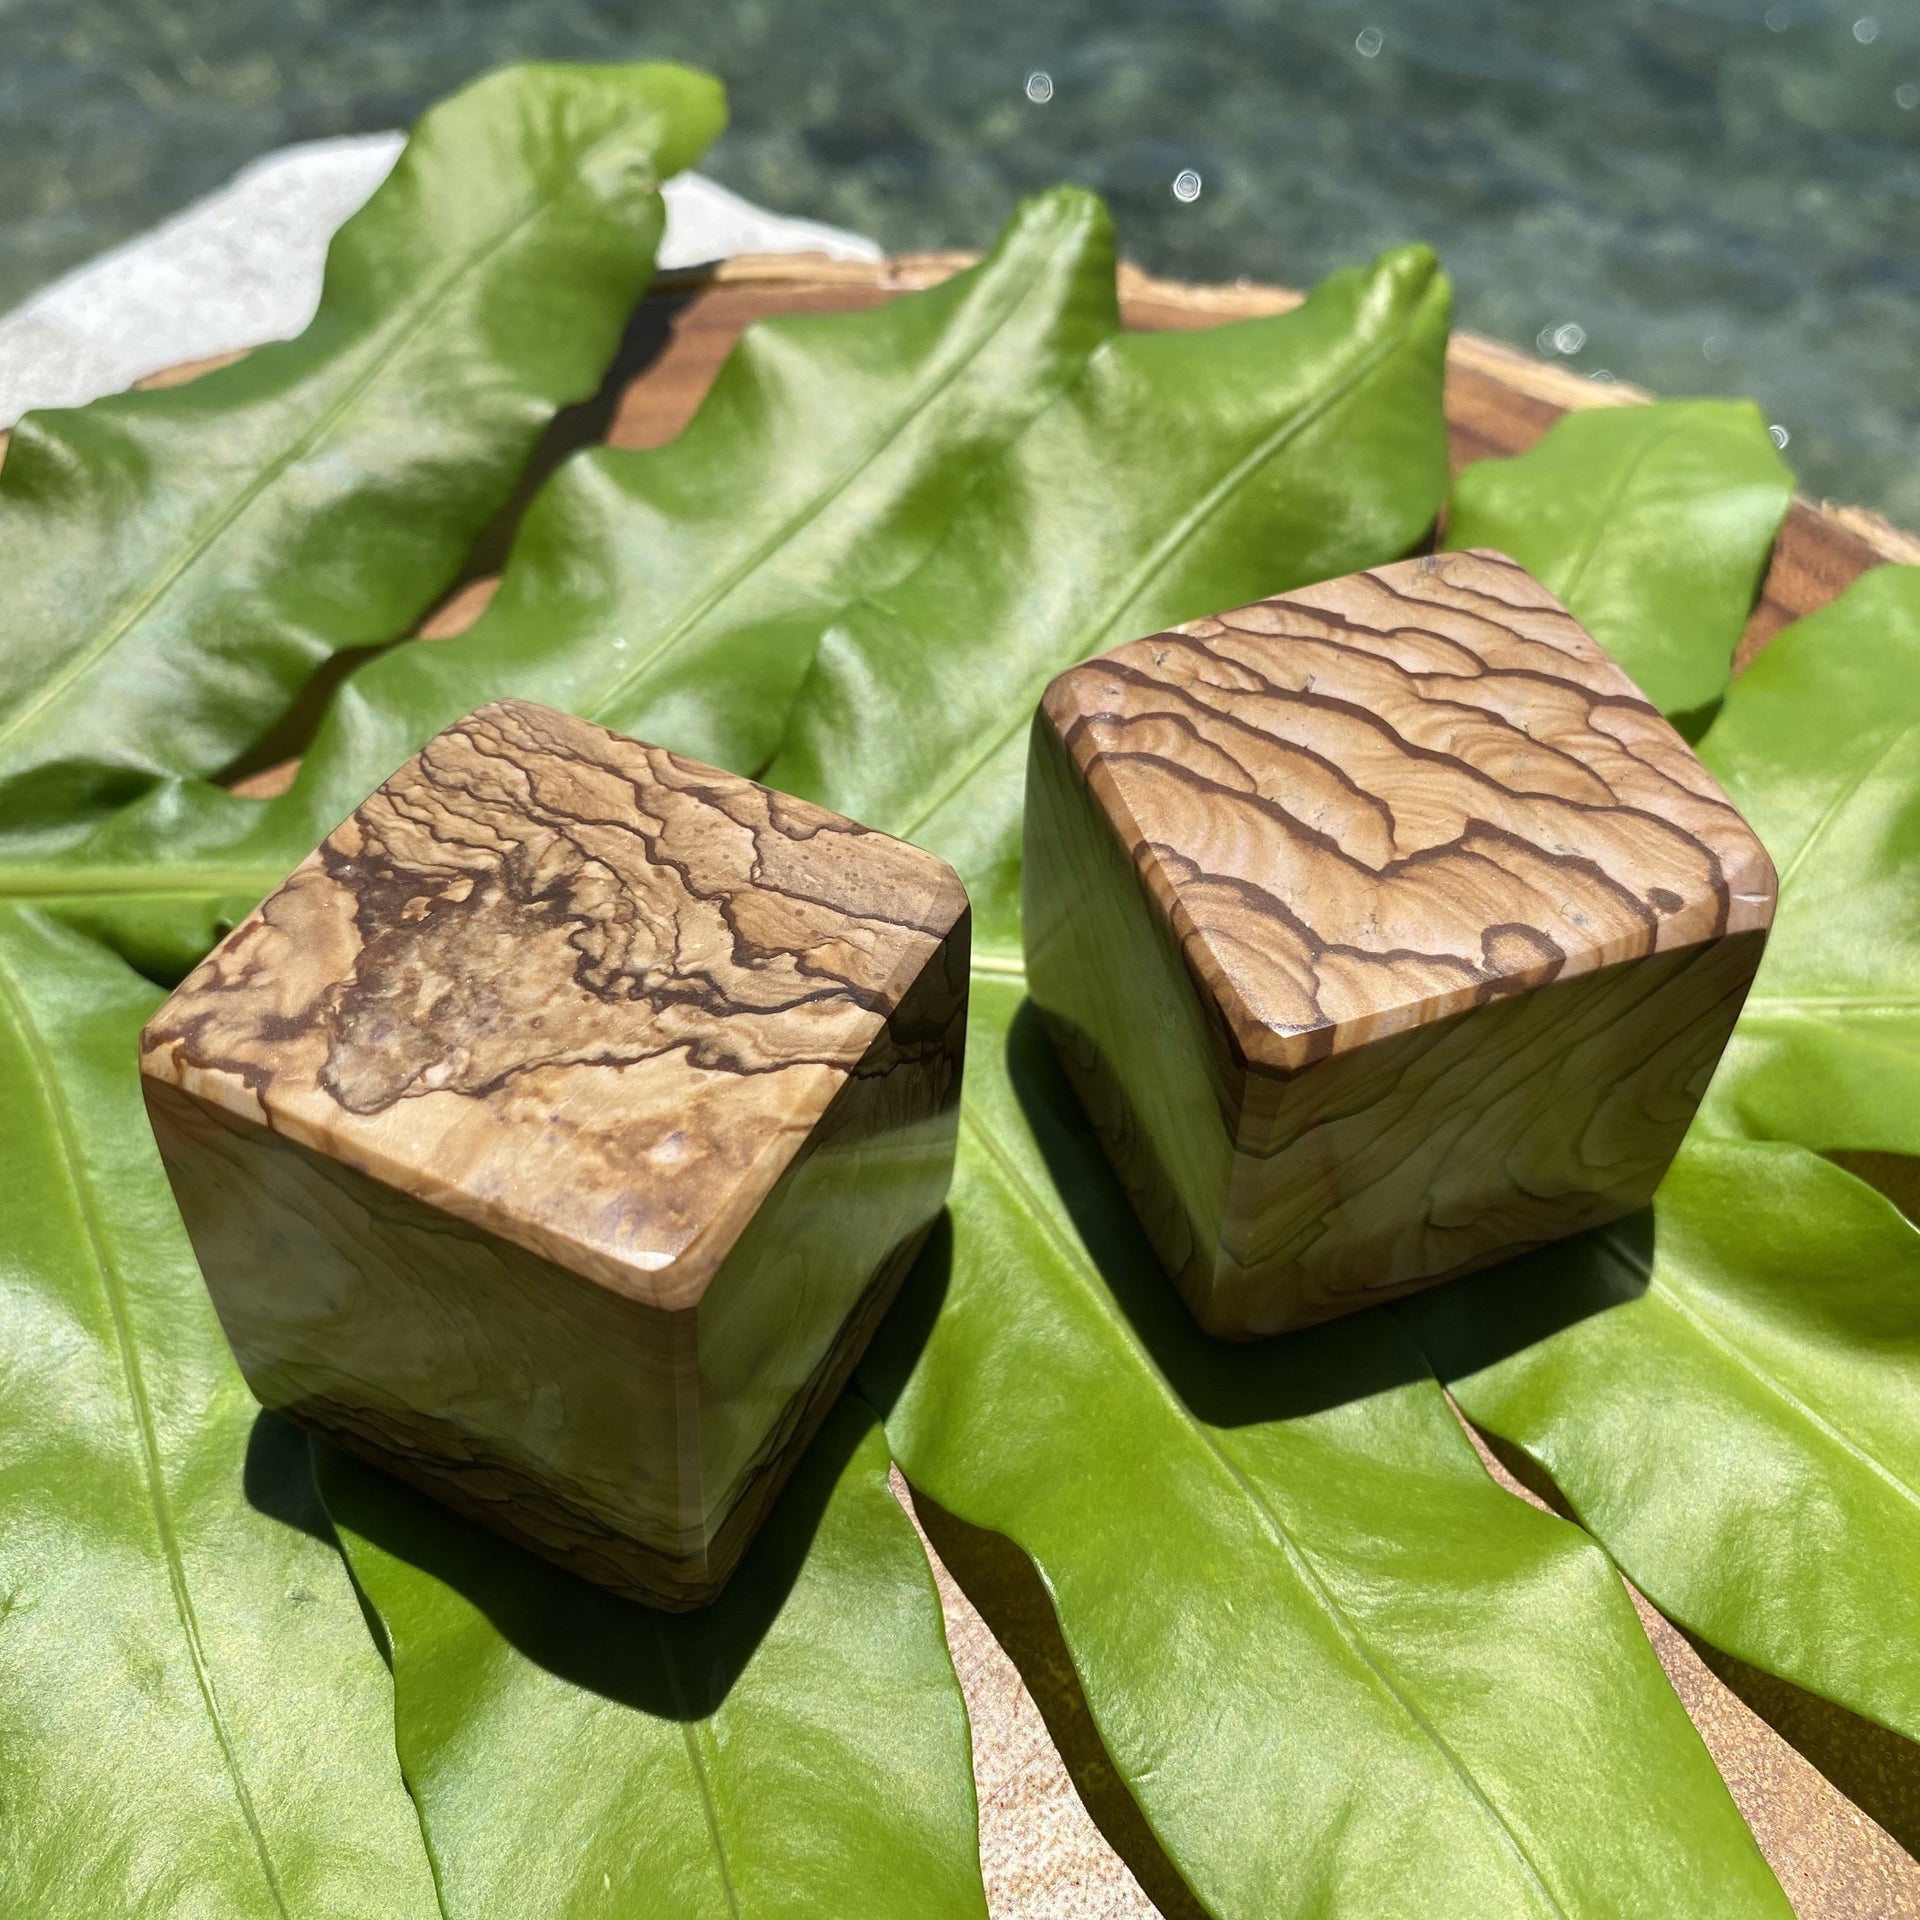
<point>1569,337</point>
<point>1186,186</point>
<point>1368,41</point>
<point>1866,30</point>
<point>1778,19</point>
<point>1907,95</point>
<point>1039,87</point>
<point>1713,347</point>
<point>1780,436</point>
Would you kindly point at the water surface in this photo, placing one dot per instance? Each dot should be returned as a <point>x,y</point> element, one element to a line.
<point>1700,195</point>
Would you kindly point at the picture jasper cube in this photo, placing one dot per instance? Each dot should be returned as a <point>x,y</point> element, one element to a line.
<point>1385,931</point>
<point>559,1131</point>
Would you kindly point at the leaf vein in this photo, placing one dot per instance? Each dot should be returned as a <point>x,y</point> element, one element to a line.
<point>1102,625</point>
<point>397,342</point>
<point>113,1287</point>
<point>1297,1557</point>
<point>1813,1417</point>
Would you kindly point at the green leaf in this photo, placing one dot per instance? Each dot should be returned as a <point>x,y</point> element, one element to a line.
<point>1820,749</point>
<point>179,562</point>
<point>1727,1389</point>
<point>675,593</point>
<point>195,1722</point>
<point>1341,1670</point>
<point>1651,524</point>
<point>798,1748</point>
<point>1181,473</point>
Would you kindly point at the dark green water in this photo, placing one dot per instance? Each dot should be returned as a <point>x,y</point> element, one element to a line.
<point>1713,195</point>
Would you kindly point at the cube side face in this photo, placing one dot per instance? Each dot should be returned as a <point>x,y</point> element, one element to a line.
<point>1142,1049</point>
<point>793,1306</point>
<point>544,1406</point>
<point>1469,1140</point>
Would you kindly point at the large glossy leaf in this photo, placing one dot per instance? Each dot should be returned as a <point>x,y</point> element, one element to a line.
<point>1727,1389</point>
<point>799,1748</point>
<point>196,1726</point>
<point>676,593</point>
<point>1821,751</point>
<point>1181,473</point>
<point>1653,526</point>
<point>178,562</point>
<point>1342,1672</point>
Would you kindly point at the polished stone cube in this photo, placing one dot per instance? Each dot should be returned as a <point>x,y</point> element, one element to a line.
<point>1385,931</point>
<point>559,1131</point>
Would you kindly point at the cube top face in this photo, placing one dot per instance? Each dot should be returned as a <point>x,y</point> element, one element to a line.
<point>1371,804</point>
<point>574,990</point>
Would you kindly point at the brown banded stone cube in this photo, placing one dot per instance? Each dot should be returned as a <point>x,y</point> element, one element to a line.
<point>1384,929</point>
<point>558,1132</point>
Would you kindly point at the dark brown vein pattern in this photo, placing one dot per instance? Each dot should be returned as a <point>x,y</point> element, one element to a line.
<point>1354,814</point>
<point>544,1133</point>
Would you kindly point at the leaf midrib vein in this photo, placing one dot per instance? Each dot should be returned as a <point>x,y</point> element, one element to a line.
<point>1868,1002</point>
<point>1597,526</point>
<point>690,1744</point>
<point>1845,792</point>
<point>53,883</point>
<point>1097,630</point>
<point>917,402</point>
<point>1665,1291</point>
<point>113,1287</point>
<point>398,340</point>
<point>1837,1435</point>
<point>1296,1556</point>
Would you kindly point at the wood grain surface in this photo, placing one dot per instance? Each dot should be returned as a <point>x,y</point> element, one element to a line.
<point>557,1131</point>
<point>1385,929</point>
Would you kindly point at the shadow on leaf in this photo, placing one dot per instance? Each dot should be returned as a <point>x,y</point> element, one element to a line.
<point>674,1666</point>
<point>277,1477</point>
<point>1224,1383</point>
<point>1486,1317</point>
